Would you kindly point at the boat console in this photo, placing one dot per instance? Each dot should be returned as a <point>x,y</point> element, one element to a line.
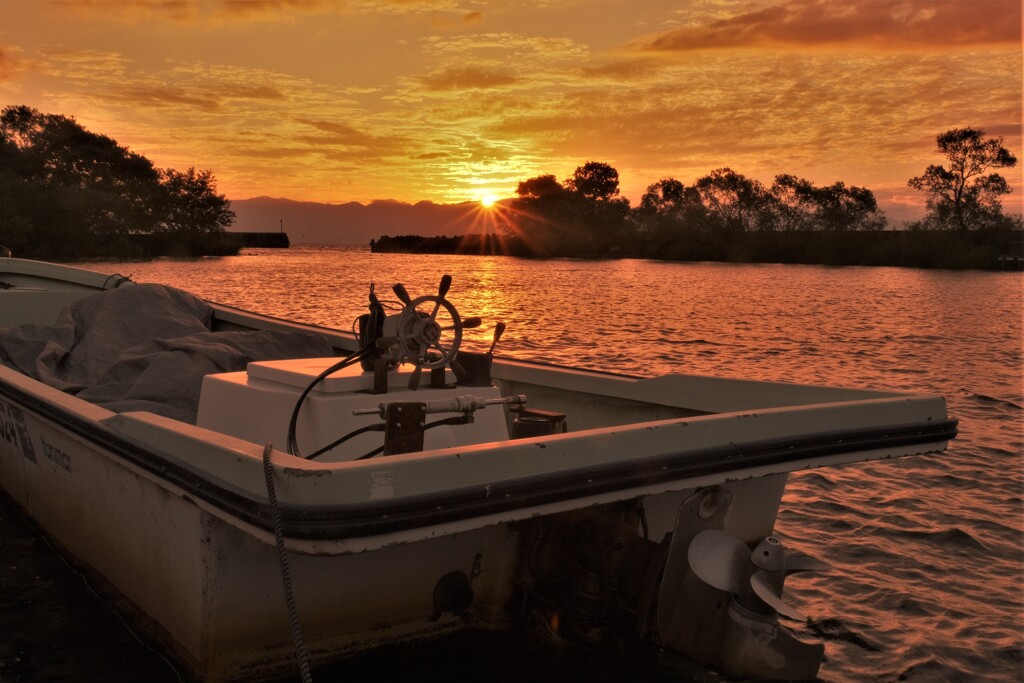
<point>255,405</point>
<point>335,410</point>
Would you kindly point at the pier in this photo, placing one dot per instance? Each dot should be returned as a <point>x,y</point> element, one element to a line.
<point>264,240</point>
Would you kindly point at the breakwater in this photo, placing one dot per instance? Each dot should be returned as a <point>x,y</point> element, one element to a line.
<point>263,240</point>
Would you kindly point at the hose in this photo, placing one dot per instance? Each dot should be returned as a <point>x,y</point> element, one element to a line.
<point>293,447</point>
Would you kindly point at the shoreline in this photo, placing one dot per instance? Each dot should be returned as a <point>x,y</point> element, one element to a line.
<point>891,248</point>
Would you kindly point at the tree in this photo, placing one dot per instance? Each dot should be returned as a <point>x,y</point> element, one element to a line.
<point>847,208</point>
<point>76,187</point>
<point>669,219</point>
<point>540,187</point>
<point>598,225</point>
<point>794,202</point>
<point>965,196</point>
<point>192,205</point>
<point>734,202</point>
<point>540,210</point>
<point>595,181</point>
<point>801,205</point>
<point>66,192</point>
<point>584,216</point>
<point>669,202</point>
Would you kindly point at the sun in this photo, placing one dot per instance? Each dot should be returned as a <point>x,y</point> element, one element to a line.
<point>488,200</point>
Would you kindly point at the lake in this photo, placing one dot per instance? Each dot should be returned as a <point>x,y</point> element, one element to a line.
<point>926,551</point>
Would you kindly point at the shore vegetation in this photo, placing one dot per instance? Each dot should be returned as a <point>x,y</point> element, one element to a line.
<point>726,216</point>
<point>67,193</point>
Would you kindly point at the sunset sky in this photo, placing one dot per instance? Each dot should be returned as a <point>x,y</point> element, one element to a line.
<point>453,100</point>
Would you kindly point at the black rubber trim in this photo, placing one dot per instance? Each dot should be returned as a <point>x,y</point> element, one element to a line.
<point>401,514</point>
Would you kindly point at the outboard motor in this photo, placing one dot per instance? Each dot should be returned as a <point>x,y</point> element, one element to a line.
<point>720,600</point>
<point>699,591</point>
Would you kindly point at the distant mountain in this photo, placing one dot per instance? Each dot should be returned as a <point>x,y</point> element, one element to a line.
<point>352,223</point>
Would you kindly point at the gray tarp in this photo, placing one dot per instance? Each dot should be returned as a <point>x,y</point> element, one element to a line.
<point>143,347</point>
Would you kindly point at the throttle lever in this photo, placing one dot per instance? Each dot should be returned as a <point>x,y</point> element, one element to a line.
<point>499,330</point>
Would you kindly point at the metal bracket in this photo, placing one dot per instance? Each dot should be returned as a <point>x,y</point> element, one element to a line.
<point>403,427</point>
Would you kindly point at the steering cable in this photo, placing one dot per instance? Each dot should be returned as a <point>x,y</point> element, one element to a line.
<point>293,447</point>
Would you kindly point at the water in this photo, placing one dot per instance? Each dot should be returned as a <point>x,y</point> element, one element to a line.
<point>927,551</point>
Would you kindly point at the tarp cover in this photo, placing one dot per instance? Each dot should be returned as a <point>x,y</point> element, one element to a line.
<point>143,347</point>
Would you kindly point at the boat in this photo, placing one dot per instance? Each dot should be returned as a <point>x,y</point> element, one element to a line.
<point>261,495</point>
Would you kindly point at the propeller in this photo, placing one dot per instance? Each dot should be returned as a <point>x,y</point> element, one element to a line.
<point>725,562</point>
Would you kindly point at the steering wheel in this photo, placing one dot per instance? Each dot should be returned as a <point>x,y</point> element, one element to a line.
<point>423,337</point>
<point>428,331</point>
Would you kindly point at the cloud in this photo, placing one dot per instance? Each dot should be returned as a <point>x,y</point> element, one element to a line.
<point>191,10</point>
<point>158,95</point>
<point>623,70</point>
<point>941,24</point>
<point>9,66</point>
<point>215,11</point>
<point>254,92</point>
<point>137,10</point>
<point>507,46</point>
<point>261,9</point>
<point>340,133</point>
<point>469,77</point>
<point>112,77</point>
<point>446,21</point>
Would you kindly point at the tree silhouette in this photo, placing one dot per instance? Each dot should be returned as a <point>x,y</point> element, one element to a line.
<point>540,212</point>
<point>66,192</point>
<point>965,196</point>
<point>540,187</point>
<point>594,181</point>
<point>734,202</point>
<point>801,205</point>
<point>669,219</point>
<point>191,204</point>
<point>584,216</point>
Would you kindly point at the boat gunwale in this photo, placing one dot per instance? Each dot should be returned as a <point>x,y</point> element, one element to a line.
<point>343,521</point>
<point>421,510</point>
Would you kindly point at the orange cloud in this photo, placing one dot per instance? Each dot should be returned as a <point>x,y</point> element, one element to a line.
<point>873,23</point>
<point>177,10</point>
<point>146,96</point>
<point>341,133</point>
<point>623,70</point>
<point>8,64</point>
<point>256,92</point>
<point>445,21</point>
<point>468,78</point>
<point>187,11</point>
<point>254,9</point>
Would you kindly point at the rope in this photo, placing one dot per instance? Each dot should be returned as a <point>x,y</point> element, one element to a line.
<point>123,279</point>
<point>286,578</point>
